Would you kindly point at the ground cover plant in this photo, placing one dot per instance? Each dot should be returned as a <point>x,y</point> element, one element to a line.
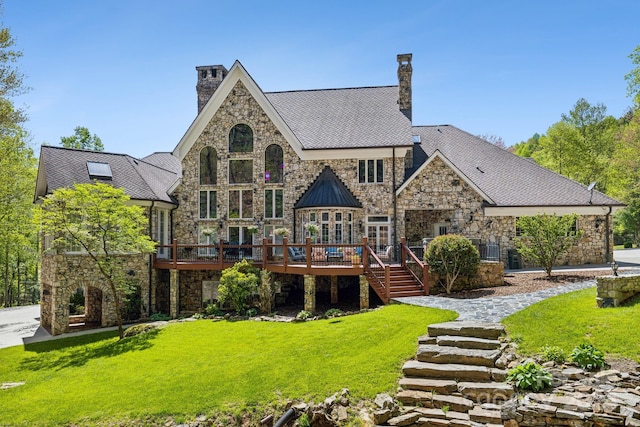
<point>201,367</point>
<point>571,319</point>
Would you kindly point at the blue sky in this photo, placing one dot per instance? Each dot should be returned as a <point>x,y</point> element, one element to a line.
<point>126,69</point>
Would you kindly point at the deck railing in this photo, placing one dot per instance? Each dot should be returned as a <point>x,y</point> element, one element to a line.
<point>378,272</point>
<point>418,269</point>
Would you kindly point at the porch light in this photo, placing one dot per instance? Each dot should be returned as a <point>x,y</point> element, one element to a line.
<point>614,268</point>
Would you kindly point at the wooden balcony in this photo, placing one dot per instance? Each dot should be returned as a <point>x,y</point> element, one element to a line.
<point>290,258</point>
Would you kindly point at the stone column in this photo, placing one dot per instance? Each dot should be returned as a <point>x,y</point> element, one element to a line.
<point>334,289</point>
<point>60,309</point>
<point>174,292</point>
<point>310,293</point>
<point>364,292</point>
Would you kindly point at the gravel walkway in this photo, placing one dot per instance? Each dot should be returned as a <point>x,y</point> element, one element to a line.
<point>493,309</point>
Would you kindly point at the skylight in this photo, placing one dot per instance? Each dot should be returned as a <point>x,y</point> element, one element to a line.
<point>416,138</point>
<point>99,170</point>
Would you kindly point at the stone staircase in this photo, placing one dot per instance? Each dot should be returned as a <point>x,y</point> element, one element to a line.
<point>401,284</point>
<point>453,380</point>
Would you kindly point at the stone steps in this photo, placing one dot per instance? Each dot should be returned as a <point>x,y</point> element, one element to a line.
<point>453,380</point>
<point>445,354</point>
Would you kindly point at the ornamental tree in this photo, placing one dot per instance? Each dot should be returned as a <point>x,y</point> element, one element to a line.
<point>237,285</point>
<point>98,218</point>
<point>452,256</point>
<point>544,238</point>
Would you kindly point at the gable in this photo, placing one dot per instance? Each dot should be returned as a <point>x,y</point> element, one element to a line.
<point>236,75</point>
<point>327,191</point>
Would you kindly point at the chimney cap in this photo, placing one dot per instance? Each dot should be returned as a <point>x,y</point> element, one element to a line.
<point>404,57</point>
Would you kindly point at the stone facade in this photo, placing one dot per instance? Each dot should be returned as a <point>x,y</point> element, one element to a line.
<point>612,291</point>
<point>490,274</point>
<point>63,274</point>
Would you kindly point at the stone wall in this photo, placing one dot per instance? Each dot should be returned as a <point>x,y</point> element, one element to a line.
<point>614,290</point>
<point>63,274</point>
<point>490,274</point>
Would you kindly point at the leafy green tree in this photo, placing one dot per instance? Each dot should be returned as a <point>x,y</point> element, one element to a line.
<point>544,238</point>
<point>452,256</point>
<point>98,218</point>
<point>633,78</point>
<point>528,147</point>
<point>580,146</point>
<point>629,217</point>
<point>237,285</point>
<point>82,140</point>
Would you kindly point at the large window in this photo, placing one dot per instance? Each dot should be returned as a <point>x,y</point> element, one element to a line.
<point>273,203</point>
<point>208,204</point>
<point>162,223</point>
<point>370,171</point>
<point>273,164</point>
<point>241,139</point>
<point>241,204</point>
<point>208,166</point>
<point>241,171</point>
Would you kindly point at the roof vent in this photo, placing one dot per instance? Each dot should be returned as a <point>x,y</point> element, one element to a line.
<point>99,170</point>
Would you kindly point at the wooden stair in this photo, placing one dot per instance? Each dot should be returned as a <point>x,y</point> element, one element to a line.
<point>401,284</point>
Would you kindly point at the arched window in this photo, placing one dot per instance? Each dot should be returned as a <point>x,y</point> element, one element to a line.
<point>241,139</point>
<point>208,166</point>
<point>273,164</point>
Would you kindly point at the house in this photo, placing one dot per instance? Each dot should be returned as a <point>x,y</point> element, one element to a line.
<point>349,161</point>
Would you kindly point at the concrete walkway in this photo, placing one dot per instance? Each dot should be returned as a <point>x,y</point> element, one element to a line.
<point>494,309</point>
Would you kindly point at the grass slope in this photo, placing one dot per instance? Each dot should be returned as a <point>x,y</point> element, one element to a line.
<point>573,318</point>
<point>192,368</point>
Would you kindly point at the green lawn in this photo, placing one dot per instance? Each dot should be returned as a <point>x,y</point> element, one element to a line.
<point>573,318</point>
<point>192,368</point>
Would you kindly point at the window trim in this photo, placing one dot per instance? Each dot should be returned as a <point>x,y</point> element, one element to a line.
<point>272,212</point>
<point>241,159</point>
<point>241,191</point>
<point>364,168</point>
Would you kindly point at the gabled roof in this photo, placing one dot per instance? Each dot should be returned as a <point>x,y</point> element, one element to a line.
<point>508,180</point>
<point>142,180</point>
<point>309,120</point>
<point>344,118</point>
<point>327,191</point>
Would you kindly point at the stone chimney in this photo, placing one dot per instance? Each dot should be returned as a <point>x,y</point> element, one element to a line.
<point>209,78</point>
<point>404,84</point>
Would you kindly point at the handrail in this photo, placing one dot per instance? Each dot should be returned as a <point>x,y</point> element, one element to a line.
<point>384,279</point>
<point>423,267</point>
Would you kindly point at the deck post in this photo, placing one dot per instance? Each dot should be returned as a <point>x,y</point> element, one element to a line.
<point>334,289</point>
<point>174,293</point>
<point>365,254</point>
<point>308,253</point>
<point>264,252</point>
<point>364,292</point>
<point>221,254</point>
<point>175,253</point>
<point>285,251</point>
<point>309,293</point>
<point>403,254</point>
<point>387,282</point>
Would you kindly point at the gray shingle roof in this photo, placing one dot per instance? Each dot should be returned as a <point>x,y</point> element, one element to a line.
<point>344,118</point>
<point>509,180</point>
<point>140,179</point>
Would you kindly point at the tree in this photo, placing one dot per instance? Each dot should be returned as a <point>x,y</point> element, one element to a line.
<point>528,147</point>
<point>633,78</point>
<point>82,140</point>
<point>99,219</point>
<point>494,139</point>
<point>452,256</point>
<point>544,238</point>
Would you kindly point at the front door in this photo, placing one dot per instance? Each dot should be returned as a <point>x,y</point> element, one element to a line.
<point>378,234</point>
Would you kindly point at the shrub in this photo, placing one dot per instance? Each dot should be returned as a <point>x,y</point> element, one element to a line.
<point>252,312</point>
<point>138,329</point>
<point>452,256</point>
<point>553,354</point>
<point>213,310</point>
<point>627,245</point>
<point>237,285</point>
<point>303,315</point>
<point>333,312</point>
<point>529,376</point>
<point>588,357</point>
<point>155,317</point>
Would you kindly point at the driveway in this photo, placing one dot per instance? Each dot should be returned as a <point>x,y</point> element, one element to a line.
<point>627,257</point>
<point>17,323</point>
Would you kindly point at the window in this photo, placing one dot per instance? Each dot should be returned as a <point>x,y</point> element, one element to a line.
<point>324,227</point>
<point>98,170</point>
<point>241,171</point>
<point>574,228</point>
<point>239,236</point>
<point>273,164</point>
<point>208,204</point>
<point>273,203</point>
<point>207,236</point>
<point>241,204</point>
<point>163,232</point>
<point>208,166</point>
<point>241,139</point>
<point>370,171</point>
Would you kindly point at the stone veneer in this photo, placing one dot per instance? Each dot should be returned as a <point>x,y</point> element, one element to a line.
<point>63,274</point>
<point>614,290</point>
